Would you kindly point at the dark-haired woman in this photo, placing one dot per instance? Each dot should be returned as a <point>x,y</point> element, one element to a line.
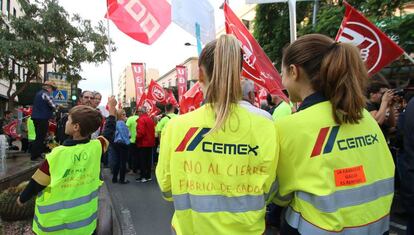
<point>335,172</point>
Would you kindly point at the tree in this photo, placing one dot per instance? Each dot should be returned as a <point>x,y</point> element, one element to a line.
<point>272,22</point>
<point>46,34</point>
<point>271,27</point>
<point>378,11</point>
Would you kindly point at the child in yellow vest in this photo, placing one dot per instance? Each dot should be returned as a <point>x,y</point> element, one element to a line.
<point>67,182</point>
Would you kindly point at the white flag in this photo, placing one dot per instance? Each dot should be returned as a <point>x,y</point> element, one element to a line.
<point>186,13</point>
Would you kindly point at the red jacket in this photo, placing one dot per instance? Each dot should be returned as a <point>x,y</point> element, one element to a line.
<point>145,131</point>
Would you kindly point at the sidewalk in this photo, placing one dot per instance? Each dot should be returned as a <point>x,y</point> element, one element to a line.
<point>17,167</point>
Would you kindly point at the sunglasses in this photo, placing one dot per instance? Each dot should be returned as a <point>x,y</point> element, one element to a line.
<point>88,97</point>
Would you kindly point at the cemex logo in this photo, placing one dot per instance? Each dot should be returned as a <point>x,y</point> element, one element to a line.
<point>213,147</point>
<point>343,144</point>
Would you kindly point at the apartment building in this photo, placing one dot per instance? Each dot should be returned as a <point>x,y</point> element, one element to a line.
<point>169,79</point>
<point>126,85</point>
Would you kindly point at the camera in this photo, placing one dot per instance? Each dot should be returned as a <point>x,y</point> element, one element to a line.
<point>399,92</point>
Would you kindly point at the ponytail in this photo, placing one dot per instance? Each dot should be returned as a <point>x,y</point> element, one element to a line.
<point>224,88</point>
<point>343,78</point>
<point>334,69</point>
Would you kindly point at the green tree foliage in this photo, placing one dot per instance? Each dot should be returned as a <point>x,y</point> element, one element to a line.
<point>272,22</point>
<point>45,34</point>
<point>271,27</point>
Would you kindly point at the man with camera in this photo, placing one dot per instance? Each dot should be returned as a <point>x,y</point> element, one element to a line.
<point>381,106</point>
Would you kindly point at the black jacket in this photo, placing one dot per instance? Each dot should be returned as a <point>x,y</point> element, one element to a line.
<point>408,174</point>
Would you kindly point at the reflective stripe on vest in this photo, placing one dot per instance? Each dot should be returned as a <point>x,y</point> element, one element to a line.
<point>218,203</point>
<point>68,204</point>
<point>295,220</point>
<point>73,225</point>
<point>273,190</point>
<point>349,197</point>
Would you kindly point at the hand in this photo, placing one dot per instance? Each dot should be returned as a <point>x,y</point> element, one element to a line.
<point>388,97</point>
<point>112,105</point>
<point>112,102</point>
<point>19,203</point>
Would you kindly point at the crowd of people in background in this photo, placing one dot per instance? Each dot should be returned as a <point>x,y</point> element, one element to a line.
<point>136,142</point>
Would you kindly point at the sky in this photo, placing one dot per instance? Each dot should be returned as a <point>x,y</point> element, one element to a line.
<point>164,54</point>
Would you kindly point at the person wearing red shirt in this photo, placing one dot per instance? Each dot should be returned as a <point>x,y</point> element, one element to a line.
<point>145,141</point>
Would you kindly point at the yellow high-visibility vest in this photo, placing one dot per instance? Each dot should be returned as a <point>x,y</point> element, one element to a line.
<point>219,182</point>
<point>31,133</point>
<point>69,204</point>
<point>334,178</point>
<point>282,110</point>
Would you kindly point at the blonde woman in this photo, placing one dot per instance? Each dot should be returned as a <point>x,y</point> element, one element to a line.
<point>120,147</point>
<point>217,163</point>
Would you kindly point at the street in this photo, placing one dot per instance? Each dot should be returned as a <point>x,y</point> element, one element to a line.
<point>141,209</point>
<point>139,206</point>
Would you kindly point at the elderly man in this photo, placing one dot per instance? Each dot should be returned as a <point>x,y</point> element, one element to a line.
<point>87,98</point>
<point>97,97</point>
<point>43,108</point>
<point>249,98</point>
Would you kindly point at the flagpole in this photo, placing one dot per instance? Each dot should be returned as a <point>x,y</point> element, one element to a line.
<point>198,37</point>
<point>109,53</point>
<point>409,57</point>
<point>292,20</point>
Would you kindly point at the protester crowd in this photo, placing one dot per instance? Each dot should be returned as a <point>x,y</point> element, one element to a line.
<point>318,165</point>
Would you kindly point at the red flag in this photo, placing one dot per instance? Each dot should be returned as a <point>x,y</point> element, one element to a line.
<point>181,80</point>
<point>156,93</point>
<point>377,50</point>
<point>27,111</point>
<point>256,65</point>
<point>11,129</point>
<point>149,104</point>
<point>261,95</point>
<point>154,112</point>
<point>141,100</point>
<point>138,72</point>
<point>192,99</point>
<point>171,98</point>
<point>52,126</point>
<point>142,20</point>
